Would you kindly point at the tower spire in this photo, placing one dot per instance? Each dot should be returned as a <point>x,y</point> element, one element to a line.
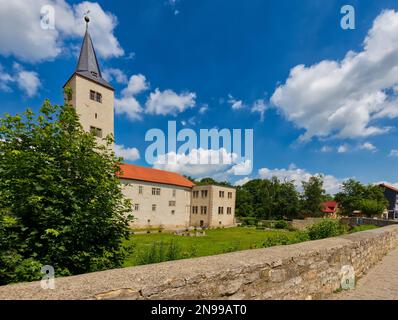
<point>88,65</point>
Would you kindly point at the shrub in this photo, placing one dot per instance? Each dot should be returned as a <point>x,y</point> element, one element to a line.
<point>281,224</point>
<point>326,229</point>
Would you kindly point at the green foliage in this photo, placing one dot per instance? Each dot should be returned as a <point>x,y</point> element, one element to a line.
<point>325,229</point>
<point>60,200</point>
<point>163,251</point>
<point>281,224</point>
<point>313,196</point>
<point>267,199</point>
<point>363,227</point>
<point>287,238</point>
<point>367,198</point>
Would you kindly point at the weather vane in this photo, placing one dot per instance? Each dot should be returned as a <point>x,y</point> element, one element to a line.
<point>87,18</point>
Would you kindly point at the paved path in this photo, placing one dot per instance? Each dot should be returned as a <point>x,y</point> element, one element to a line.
<point>380,283</point>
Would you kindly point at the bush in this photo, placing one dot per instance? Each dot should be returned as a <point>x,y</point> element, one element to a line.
<point>326,229</point>
<point>281,224</point>
<point>279,239</point>
<point>363,227</point>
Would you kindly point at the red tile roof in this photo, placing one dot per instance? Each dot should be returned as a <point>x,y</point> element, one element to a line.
<point>385,185</point>
<point>329,206</point>
<point>133,172</point>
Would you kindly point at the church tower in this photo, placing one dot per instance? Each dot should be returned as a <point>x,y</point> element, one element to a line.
<point>91,95</point>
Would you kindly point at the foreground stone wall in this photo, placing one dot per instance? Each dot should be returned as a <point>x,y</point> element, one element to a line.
<point>309,270</point>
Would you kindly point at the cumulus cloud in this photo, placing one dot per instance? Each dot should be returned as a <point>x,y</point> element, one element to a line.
<point>200,163</point>
<point>394,153</point>
<point>367,146</point>
<point>128,103</point>
<point>26,81</point>
<point>111,74</point>
<point>343,148</point>
<point>235,104</point>
<point>330,183</point>
<point>128,154</point>
<point>168,102</point>
<point>344,98</point>
<point>30,43</point>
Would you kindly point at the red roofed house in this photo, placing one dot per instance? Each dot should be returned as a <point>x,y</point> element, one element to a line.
<point>167,199</point>
<point>330,209</point>
<point>160,198</point>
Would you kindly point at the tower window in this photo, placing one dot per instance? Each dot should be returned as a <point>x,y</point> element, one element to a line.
<point>98,97</point>
<point>96,116</point>
<point>96,132</point>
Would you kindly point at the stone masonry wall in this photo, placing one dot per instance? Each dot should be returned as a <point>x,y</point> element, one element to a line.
<point>309,270</point>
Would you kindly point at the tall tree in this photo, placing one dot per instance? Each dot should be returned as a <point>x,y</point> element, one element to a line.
<point>60,199</point>
<point>313,195</point>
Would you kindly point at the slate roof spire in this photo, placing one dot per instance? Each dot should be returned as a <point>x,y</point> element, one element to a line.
<point>87,65</point>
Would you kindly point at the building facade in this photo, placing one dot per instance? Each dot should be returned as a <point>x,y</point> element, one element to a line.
<point>391,194</point>
<point>160,199</point>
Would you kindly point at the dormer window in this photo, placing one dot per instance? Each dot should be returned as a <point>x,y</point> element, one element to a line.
<point>94,74</point>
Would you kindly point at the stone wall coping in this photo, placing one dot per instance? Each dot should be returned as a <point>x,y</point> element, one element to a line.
<point>135,282</point>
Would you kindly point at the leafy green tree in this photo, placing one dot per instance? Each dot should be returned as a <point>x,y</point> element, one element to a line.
<point>60,198</point>
<point>354,196</point>
<point>313,195</point>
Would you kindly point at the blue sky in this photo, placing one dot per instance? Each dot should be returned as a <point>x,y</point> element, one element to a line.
<point>215,58</point>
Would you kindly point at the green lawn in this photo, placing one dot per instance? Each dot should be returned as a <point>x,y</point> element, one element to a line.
<point>216,241</point>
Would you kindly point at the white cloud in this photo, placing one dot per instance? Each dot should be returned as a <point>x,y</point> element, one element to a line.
<point>200,163</point>
<point>241,169</point>
<point>326,149</point>
<point>168,102</point>
<point>235,104</point>
<point>128,154</point>
<point>21,34</point>
<point>204,108</point>
<point>27,81</point>
<point>343,148</point>
<point>368,147</point>
<point>342,98</point>
<point>242,182</point>
<point>394,153</point>
<point>330,183</point>
<point>260,107</point>
<point>127,103</point>
<point>111,74</point>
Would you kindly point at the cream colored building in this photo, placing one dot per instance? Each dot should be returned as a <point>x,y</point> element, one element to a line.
<point>160,198</point>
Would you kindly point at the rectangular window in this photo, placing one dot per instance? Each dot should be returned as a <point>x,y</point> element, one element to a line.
<point>154,207</point>
<point>174,192</point>
<point>203,210</point>
<point>229,195</point>
<point>229,210</point>
<point>92,95</point>
<point>195,210</point>
<point>156,191</point>
<point>220,210</point>
<point>173,212</point>
<point>195,194</point>
<point>136,207</point>
<point>221,194</point>
<point>96,132</point>
<point>204,193</point>
<point>98,97</point>
<point>140,189</point>
<point>172,203</point>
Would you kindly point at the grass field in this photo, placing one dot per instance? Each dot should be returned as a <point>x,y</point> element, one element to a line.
<point>216,241</point>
